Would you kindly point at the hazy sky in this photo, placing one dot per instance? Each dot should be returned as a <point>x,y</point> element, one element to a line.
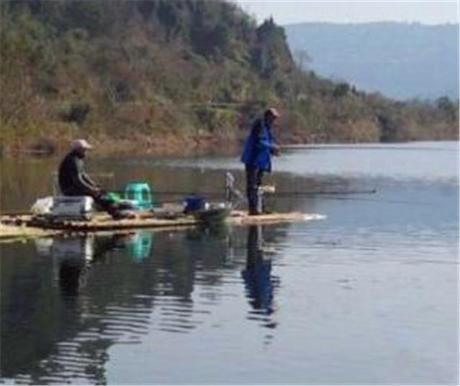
<point>294,11</point>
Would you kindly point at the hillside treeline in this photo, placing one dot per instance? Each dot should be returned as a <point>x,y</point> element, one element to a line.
<point>173,76</point>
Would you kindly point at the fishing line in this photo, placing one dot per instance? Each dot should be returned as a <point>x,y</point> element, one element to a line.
<point>419,203</point>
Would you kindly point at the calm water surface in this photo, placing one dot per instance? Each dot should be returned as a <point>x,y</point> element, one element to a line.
<point>368,295</point>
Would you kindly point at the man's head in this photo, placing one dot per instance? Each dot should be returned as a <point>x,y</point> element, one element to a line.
<point>80,146</point>
<point>271,114</point>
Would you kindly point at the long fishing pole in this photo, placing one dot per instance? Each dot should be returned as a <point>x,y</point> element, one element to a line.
<point>275,194</point>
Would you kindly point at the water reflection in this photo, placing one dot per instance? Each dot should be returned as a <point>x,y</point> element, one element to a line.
<point>75,297</point>
<point>70,276</point>
<point>258,279</point>
<point>140,245</point>
<point>55,325</point>
<point>75,256</point>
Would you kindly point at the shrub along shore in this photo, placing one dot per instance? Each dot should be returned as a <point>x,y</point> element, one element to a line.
<point>177,77</point>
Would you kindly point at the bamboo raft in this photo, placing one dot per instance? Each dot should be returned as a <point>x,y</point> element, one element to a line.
<point>27,226</point>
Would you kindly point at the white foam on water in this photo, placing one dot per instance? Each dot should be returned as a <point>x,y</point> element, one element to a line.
<point>313,216</point>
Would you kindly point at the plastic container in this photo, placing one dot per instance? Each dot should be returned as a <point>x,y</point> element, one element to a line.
<point>72,207</point>
<point>140,193</point>
<point>42,205</point>
<point>194,203</point>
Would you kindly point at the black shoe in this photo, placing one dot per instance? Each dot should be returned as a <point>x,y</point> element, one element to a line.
<point>254,213</point>
<point>123,215</point>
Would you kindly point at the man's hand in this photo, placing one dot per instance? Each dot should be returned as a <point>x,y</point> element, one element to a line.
<point>276,150</point>
<point>98,192</point>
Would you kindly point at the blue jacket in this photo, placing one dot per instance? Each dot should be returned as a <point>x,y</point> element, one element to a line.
<point>259,146</point>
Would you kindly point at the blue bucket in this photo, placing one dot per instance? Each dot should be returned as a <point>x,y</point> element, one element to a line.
<point>194,204</point>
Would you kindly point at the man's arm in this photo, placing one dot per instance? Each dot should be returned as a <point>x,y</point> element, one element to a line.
<point>80,181</point>
<point>264,140</point>
<point>89,181</point>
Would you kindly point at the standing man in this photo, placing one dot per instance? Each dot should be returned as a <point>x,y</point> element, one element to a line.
<point>73,181</point>
<point>258,149</point>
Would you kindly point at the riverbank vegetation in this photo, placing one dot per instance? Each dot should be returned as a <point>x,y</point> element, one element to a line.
<point>176,76</point>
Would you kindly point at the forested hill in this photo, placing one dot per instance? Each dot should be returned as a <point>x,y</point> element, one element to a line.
<point>173,76</point>
<point>400,60</point>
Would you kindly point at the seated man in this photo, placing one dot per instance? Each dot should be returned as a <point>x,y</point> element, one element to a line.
<point>73,181</point>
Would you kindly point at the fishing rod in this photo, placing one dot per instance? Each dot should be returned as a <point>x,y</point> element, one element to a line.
<point>275,194</point>
<point>323,192</point>
<point>362,146</point>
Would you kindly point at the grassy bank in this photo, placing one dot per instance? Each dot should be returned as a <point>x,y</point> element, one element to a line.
<point>176,77</point>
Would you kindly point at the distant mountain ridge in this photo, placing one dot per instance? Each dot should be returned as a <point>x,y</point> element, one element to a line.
<point>399,60</point>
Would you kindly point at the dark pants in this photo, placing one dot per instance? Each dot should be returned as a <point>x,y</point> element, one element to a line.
<point>106,204</point>
<point>253,182</point>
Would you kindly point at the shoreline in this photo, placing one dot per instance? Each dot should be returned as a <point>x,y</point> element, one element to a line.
<point>177,145</point>
<point>167,145</point>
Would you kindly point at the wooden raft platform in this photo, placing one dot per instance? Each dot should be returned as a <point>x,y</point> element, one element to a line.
<point>30,226</point>
<point>14,232</point>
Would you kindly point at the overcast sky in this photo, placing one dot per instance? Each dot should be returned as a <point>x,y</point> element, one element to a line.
<point>295,11</point>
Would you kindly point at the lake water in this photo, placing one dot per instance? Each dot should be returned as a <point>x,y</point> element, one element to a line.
<point>368,295</point>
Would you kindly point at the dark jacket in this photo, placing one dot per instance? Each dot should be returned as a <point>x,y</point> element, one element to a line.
<point>259,146</point>
<point>73,181</point>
